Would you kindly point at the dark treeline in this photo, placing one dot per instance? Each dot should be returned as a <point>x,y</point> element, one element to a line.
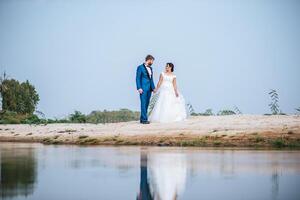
<point>96,117</point>
<point>122,115</point>
<point>19,101</point>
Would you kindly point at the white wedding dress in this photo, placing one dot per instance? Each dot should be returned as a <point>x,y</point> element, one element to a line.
<point>168,107</point>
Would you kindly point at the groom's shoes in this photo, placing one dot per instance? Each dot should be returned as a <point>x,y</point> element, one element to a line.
<point>145,122</point>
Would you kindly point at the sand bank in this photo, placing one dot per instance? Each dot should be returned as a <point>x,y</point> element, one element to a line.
<point>231,131</point>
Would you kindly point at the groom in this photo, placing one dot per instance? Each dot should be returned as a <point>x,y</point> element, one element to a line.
<point>145,85</point>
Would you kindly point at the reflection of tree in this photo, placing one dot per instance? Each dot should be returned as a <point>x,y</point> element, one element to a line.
<point>17,172</point>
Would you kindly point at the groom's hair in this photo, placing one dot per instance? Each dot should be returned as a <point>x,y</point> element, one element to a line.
<point>149,57</point>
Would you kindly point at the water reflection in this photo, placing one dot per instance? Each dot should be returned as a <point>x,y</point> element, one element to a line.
<point>17,172</point>
<point>146,173</point>
<point>144,193</point>
<point>167,175</point>
<point>275,185</point>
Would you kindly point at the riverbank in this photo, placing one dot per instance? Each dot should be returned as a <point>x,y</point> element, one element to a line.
<point>274,131</point>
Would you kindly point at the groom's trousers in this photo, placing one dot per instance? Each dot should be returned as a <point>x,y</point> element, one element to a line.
<point>145,99</point>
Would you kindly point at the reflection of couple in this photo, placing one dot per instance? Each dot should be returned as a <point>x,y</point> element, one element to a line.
<point>163,176</point>
<point>170,104</point>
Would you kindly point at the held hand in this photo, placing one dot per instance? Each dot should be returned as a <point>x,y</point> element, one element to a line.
<point>155,90</point>
<point>176,93</point>
<point>140,91</point>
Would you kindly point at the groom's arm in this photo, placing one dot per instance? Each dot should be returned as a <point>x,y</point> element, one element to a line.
<point>138,78</point>
<point>152,83</point>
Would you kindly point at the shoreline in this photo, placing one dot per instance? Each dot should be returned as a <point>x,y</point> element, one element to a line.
<point>241,131</point>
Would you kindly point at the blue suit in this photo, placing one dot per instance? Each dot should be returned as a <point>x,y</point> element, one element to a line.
<point>143,81</point>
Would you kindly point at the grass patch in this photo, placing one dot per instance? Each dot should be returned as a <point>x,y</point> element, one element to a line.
<point>290,132</point>
<point>119,141</point>
<point>278,143</point>
<point>47,140</point>
<point>258,139</point>
<point>185,143</point>
<point>130,143</point>
<point>106,139</point>
<point>83,136</point>
<point>88,141</point>
<point>193,142</point>
<point>55,137</point>
<point>56,142</point>
<point>217,143</point>
<point>294,144</point>
<point>68,131</point>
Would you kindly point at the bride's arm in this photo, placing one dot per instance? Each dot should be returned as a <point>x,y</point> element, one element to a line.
<point>159,82</point>
<point>175,87</point>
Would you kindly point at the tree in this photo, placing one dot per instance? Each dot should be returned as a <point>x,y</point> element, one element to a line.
<point>190,109</point>
<point>2,86</point>
<point>237,110</point>
<point>298,110</point>
<point>274,107</point>
<point>208,112</point>
<point>77,117</point>
<point>18,97</point>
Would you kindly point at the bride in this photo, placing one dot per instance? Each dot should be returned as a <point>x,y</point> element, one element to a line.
<point>170,104</point>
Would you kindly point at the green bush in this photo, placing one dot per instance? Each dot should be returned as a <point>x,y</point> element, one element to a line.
<point>278,143</point>
<point>122,115</point>
<point>226,112</point>
<point>34,119</point>
<point>208,112</point>
<point>8,117</point>
<point>77,117</point>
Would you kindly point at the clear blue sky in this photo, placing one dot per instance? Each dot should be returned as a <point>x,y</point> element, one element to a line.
<point>82,55</point>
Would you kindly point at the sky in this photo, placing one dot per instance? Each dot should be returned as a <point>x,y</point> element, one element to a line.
<point>83,54</point>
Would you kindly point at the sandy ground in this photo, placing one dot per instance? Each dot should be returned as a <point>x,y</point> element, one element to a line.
<point>232,130</point>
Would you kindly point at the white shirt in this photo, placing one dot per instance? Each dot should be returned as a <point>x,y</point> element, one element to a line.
<point>149,70</point>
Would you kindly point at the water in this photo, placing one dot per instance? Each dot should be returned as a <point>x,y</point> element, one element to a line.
<point>49,172</point>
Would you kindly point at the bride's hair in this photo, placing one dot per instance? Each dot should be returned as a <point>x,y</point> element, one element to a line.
<point>171,65</point>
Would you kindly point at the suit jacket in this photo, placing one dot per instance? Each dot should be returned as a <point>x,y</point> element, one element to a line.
<point>143,79</point>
